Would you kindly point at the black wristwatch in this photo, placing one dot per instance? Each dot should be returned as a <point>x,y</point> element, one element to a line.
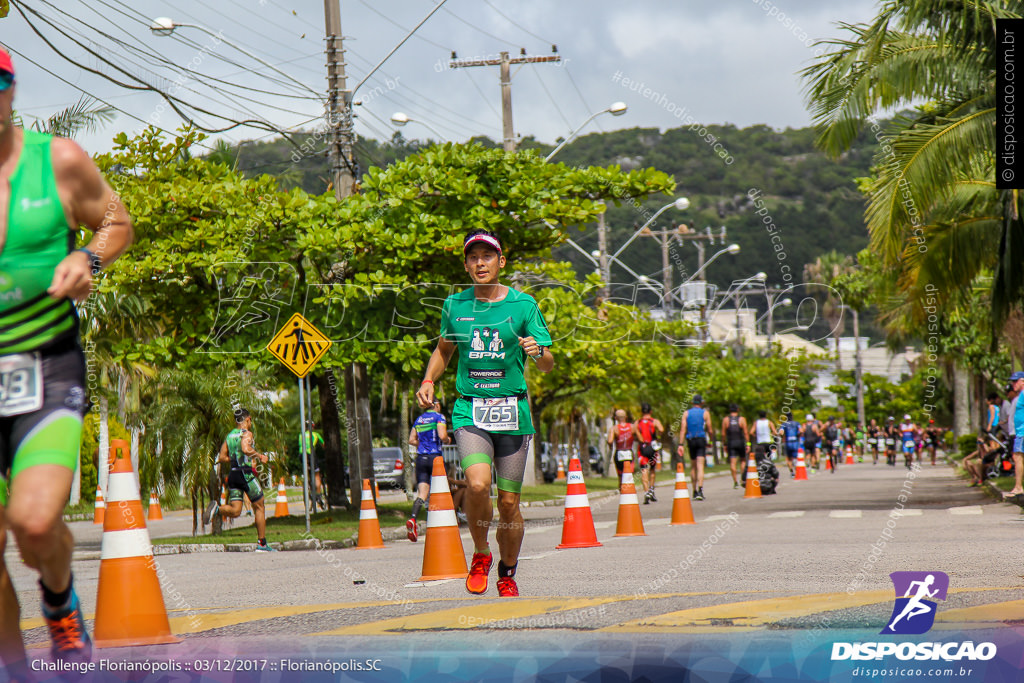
<point>539,355</point>
<point>94,261</point>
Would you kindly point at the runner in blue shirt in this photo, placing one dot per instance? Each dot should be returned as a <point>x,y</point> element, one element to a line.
<point>790,431</point>
<point>429,431</point>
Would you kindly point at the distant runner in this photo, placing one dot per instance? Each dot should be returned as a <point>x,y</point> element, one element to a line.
<point>620,438</point>
<point>907,432</point>
<point>790,432</point>
<point>646,431</point>
<point>428,432</point>
<point>811,438</point>
<point>734,436</point>
<point>491,417</point>
<point>693,431</point>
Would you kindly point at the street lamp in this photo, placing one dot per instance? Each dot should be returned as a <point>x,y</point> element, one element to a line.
<point>165,26</point>
<point>757,277</point>
<point>616,109</point>
<point>400,119</point>
<point>682,203</point>
<point>731,249</point>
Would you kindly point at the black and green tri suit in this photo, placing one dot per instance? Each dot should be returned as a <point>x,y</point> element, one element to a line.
<point>241,478</point>
<point>491,417</point>
<point>42,368</point>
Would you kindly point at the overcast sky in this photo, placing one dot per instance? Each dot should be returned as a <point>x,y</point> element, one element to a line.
<point>717,61</point>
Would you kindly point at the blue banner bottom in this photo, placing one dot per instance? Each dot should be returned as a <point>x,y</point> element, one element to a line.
<point>772,656</point>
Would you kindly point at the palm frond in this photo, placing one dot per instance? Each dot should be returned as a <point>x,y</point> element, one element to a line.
<point>83,116</point>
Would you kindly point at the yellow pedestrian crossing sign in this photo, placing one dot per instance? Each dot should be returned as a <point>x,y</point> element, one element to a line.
<point>299,345</point>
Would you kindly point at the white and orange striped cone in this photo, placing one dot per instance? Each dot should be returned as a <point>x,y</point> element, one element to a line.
<point>578,529</point>
<point>129,605</point>
<point>801,466</point>
<point>682,508</point>
<point>443,555</point>
<point>281,509</point>
<point>560,475</point>
<point>99,508</point>
<point>629,522</point>
<point>753,483</point>
<point>155,513</point>
<point>223,502</point>
<point>369,525</point>
<point>849,456</point>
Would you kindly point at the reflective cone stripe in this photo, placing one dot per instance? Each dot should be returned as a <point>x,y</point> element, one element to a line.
<point>801,466</point>
<point>281,509</point>
<point>560,476</point>
<point>100,507</point>
<point>578,529</point>
<point>129,603</point>
<point>682,508</point>
<point>369,526</point>
<point>849,455</point>
<point>443,555</point>
<point>629,522</point>
<point>753,483</point>
<point>155,513</point>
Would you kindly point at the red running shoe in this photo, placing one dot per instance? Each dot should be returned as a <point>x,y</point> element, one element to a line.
<point>476,582</point>
<point>507,587</point>
<point>413,533</point>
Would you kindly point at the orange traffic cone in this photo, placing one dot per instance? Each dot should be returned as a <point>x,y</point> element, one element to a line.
<point>828,464</point>
<point>629,522</point>
<point>369,527</point>
<point>753,483</point>
<point>155,513</point>
<point>682,508</point>
<point>560,476</point>
<point>129,605</point>
<point>849,455</point>
<point>97,512</point>
<point>443,555</point>
<point>578,528</point>
<point>223,502</point>
<point>801,466</point>
<point>281,509</point>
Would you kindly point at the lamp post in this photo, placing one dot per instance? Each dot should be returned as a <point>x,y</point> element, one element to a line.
<point>772,305</point>
<point>731,249</point>
<point>616,109</point>
<point>165,26</point>
<point>400,119</point>
<point>757,277</point>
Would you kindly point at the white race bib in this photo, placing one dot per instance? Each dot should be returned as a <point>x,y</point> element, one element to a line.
<point>836,443</point>
<point>21,384</point>
<point>890,442</point>
<point>496,414</point>
<point>622,456</point>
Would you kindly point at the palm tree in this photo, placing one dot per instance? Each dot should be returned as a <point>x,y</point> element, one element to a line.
<point>827,271</point>
<point>933,182</point>
<point>82,116</point>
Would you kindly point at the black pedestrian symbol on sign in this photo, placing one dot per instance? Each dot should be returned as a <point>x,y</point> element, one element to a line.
<point>302,346</point>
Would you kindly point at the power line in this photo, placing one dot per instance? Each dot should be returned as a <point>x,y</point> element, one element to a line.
<point>518,26</point>
<point>396,24</point>
<point>477,28</point>
<point>550,97</point>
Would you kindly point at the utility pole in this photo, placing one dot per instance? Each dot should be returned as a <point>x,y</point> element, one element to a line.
<point>860,380</point>
<point>342,169</point>
<point>602,246</point>
<point>665,237</point>
<point>507,130</point>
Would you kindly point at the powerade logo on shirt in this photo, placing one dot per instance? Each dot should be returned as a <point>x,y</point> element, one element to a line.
<point>486,343</point>
<point>914,614</point>
<point>487,374</point>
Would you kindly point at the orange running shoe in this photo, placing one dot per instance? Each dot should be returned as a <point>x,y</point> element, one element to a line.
<point>476,582</point>
<point>507,587</point>
<point>71,641</point>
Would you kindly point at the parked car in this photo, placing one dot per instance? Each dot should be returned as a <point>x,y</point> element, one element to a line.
<point>596,461</point>
<point>548,463</point>
<point>388,467</point>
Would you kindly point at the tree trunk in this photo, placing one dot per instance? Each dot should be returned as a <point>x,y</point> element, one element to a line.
<point>961,401</point>
<point>332,469</point>
<point>409,462</point>
<point>135,453</point>
<point>584,444</point>
<point>363,425</point>
<point>102,464</point>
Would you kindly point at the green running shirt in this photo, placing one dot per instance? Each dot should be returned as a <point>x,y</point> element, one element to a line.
<point>239,460</point>
<point>38,238</point>
<point>490,359</point>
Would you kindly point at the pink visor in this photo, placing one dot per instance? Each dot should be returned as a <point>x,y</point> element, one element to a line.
<point>481,239</point>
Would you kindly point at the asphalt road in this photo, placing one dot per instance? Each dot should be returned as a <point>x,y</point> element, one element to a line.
<point>816,556</point>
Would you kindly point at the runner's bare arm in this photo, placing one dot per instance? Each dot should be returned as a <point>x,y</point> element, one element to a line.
<point>546,362</point>
<point>88,201</point>
<point>435,368</point>
<point>223,455</point>
<point>248,449</point>
<point>442,433</point>
<point>414,438</point>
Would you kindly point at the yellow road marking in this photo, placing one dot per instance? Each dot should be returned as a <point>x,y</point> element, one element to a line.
<point>752,613</point>
<point>1012,610</point>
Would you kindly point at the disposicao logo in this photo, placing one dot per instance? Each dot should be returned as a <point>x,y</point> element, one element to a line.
<point>914,614</point>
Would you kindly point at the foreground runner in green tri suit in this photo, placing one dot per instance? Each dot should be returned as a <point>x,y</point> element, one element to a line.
<point>494,328</point>
<point>49,187</point>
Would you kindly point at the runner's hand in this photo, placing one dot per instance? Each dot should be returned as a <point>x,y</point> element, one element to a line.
<point>72,279</point>
<point>530,345</point>
<point>425,395</point>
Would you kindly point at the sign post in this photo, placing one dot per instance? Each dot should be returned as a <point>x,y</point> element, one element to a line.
<point>300,345</point>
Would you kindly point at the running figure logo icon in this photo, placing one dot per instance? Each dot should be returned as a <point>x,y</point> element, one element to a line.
<point>914,613</point>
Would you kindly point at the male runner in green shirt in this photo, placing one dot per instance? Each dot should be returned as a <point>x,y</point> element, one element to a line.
<point>239,450</point>
<point>49,188</point>
<point>493,328</point>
